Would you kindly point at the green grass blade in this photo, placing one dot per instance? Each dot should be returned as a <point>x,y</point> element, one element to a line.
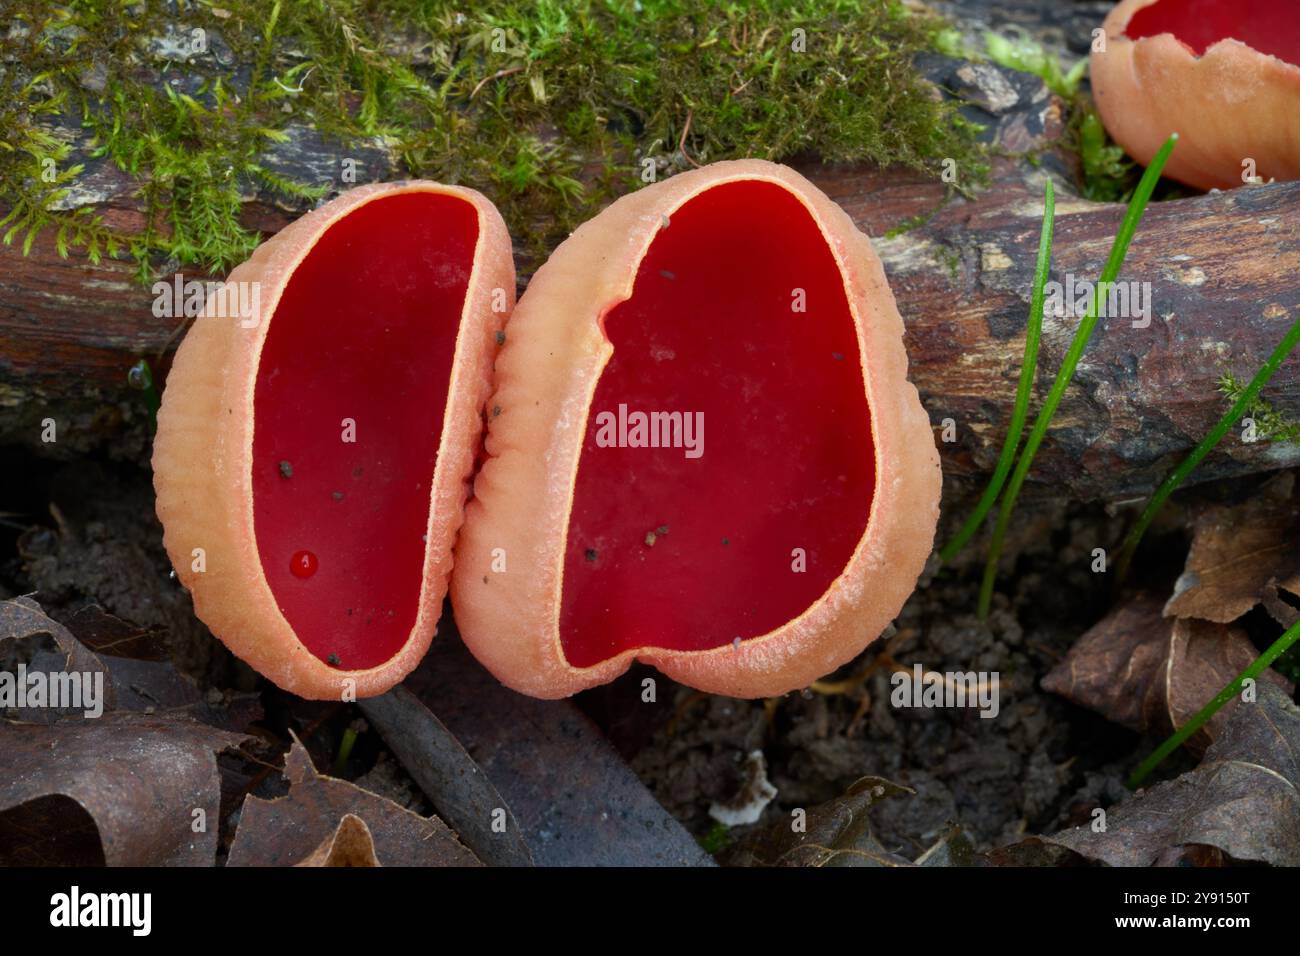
<point>1118,250</point>
<point>1275,650</point>
<point>1215,435</point>
<point>1033,333</point>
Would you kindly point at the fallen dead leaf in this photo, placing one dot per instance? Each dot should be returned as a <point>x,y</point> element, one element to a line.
<point>106,633</point>
<point>349,845</point>
<point>43,645</point>
<point>953,848</point>
<point>1243,799</point>
<point>158,687</point>
<point>125,789</point>
<point>1031,851</point>
<point>289,829</point>
<point>139,683</point>
<point>1147,672</point>
<point>1243,555</point>
<point>837,833</point>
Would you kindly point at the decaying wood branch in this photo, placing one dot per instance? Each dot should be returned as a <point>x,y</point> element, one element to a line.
<point>1222,270</point>
<point>1223,280</point>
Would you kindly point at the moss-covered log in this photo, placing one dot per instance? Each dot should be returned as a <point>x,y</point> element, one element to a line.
<point>1222,271</point>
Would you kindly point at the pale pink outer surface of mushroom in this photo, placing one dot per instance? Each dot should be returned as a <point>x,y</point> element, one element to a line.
<point>203,451</point>
<point>546,377</point>
<point>1228,105</point>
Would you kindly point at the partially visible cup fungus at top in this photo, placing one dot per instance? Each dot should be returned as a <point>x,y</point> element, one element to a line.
<point>312,460</point>
<point>735,318</point>
<point>1224,75</point>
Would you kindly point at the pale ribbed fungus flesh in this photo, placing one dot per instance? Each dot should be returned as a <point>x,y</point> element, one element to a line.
<point>703,451</point>
<point>312,460</point>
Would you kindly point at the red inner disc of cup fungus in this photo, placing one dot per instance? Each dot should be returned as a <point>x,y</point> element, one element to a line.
<point>1269,26</point>
<point>360,346</point>
<point>687,553</point>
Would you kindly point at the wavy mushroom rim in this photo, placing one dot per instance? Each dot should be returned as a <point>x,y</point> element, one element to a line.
<point>1227,47</point>
<point>277,652</point>
<point>1128,77</point>
<point>1121,15</point>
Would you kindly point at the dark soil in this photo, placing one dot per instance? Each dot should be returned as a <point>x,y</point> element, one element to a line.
<point>85,532</point>
<point>1043,763</point>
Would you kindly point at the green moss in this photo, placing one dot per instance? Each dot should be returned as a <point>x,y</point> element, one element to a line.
<point>1017,51</point>
<point>912,222</point>
<point>1107,174</point>
<point>1270,424</point>
<point>949,258</point>
<point>551,108</point>
<point>717,839</point>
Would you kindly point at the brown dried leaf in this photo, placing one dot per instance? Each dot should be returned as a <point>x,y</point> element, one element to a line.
<point>1244,798</point>
<point>1144,671</point>
<point>1243,555</point>
<point>837,833</point>
<point>284,831</point>
<point>42,644</point>
<point>125,789</point>
<point>1031,851</point>
<point>158,687</point>
<point>106,633</point>
<point>23,626</point>
<point>953,848</point>
<point>350,845</point>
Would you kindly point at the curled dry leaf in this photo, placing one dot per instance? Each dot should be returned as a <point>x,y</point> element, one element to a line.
<point>158,687</point>
<point>1244,798</point>
<point>349,845</point>
<point>290,829</point>
<point>87,782</point>
<point>106,633</point>
<point>837,833</point>
<point>128,789</point>
<point>1243,555</point>
<point>1144,671</point>
<point>133,681</point>
<point>953,848</point>
<point>22,624</point>
<point>1031,851</point>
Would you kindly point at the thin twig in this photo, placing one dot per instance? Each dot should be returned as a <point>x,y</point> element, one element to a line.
<point>508,71</point>
<point>681,143</point>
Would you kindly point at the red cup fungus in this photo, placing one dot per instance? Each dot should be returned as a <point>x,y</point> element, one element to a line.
<point>703,451</point>
<point>312,458</point>
<point>1224,75</point>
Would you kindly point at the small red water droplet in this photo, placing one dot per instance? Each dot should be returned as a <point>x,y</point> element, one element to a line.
<point>303,564</point>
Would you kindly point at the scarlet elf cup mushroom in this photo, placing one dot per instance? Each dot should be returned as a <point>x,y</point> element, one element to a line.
<point>703,451</point>
<point>1222,74</point>
<point>312,461</point>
